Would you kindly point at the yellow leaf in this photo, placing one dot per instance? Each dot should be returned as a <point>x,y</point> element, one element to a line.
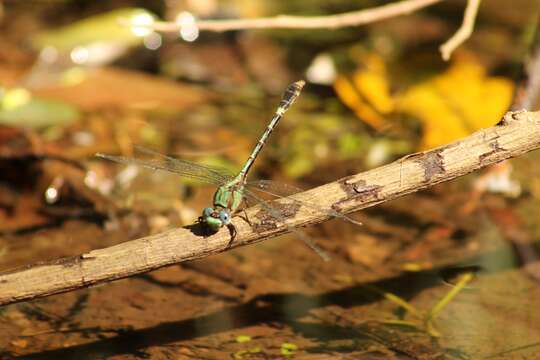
<point>367,92</point>
<point>243,338</point>
<point>348,94</point>
<point>372,84</point>
<point>456,103</point>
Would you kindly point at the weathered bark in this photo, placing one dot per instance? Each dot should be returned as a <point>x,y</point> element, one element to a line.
<point>516,134</point>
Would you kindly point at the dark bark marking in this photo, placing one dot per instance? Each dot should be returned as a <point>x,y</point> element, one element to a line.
<point>347,187</point>
<point>358,190</point>
<point>366,191</point>
<point>432,162</point>
<point>68,261</point>
<point>495,149</point>
<point>267,220</point>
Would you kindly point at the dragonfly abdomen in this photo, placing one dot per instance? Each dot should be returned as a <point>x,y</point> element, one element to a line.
<point>290,95</point>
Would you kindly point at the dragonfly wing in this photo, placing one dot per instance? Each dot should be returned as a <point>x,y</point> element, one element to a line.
<point>182,166</point>
<point>280,190</point>
<point>273,188</point>
<point>276,214</point>
<point>164,166</point>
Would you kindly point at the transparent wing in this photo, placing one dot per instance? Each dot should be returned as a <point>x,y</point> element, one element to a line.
<point>276,214</point>
<point>281,190</point>
<point>184,168</point>
<point>273,188</point>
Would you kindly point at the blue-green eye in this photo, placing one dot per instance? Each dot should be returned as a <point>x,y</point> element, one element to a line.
<point>207,212</point>
<point>225,217</point>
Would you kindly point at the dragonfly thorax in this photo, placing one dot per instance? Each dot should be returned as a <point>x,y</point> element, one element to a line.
<point>227,199</point>
<point>229,196</point>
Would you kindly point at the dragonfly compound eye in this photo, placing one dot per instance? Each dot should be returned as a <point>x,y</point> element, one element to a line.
<point>207,212</point>
<point>225,217</point>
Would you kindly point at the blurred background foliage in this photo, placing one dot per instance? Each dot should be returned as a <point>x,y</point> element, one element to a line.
<point>77,77</point>
<point>370,100</point>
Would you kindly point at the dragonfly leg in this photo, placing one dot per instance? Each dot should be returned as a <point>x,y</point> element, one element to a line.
<point>246,218</point>
<point>232,231</point>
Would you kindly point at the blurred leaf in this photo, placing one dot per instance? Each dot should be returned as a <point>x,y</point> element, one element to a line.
<point>14,98</point>
<point>349,144</point>
<point>368,92</point>
<point>19,108</point>
<point>103,28</point>
<point>322,138</point>
<point>456,103</point>
<point>246,353</point>
<point>450,105</point>
<point>109,86</point>
<point>243,338</point>
<point>372,83</point>
<point>288,349</point>
<point>299,164</point>
<point>305,144</point>
<point>73,76</point>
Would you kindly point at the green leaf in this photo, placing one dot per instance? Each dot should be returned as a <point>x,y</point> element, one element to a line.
<point>349,145</point>
<point>103,28</point>
<point>299,164</point>
<point>18,108</point>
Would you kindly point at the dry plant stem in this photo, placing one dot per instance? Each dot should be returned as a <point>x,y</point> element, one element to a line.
<point>353,18</point>
<point>464,32</point>
<point>516,134</point>
<point>531,91</point>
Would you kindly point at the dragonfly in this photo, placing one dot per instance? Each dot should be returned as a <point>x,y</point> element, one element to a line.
<point>232,191</point>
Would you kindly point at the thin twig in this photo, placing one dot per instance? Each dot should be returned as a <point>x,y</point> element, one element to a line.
<point>353,18</point>
<point>464,32</point>
<point>528,90</point>
<point>516,134</point>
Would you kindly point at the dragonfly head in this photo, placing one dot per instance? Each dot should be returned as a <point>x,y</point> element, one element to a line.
<point>216,218</point>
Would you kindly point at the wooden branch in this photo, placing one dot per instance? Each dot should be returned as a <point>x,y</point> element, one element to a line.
<point>464,31</point>
<point>516,134</point>
<point>353,18</point>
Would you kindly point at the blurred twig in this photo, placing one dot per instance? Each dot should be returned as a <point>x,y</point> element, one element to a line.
<point>528,89</point>
<point>516,134</point>
<point>464,32</point>
<point>532,90</point>
<point>526,97</point>
<point>353,18</point>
